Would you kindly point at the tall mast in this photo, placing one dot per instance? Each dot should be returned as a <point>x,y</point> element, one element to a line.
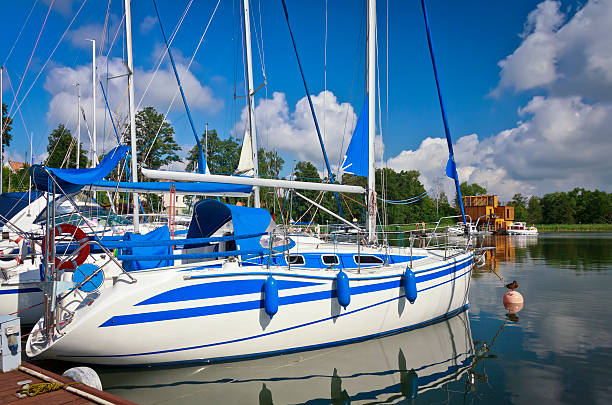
<point>78,86</point>
<point>1,127</point>
<point>249,72</point>
<point>372,210</point>
<point>93,92</point>
<point>130,66</point>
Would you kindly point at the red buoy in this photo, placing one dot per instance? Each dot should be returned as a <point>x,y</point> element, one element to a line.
<point>513,301</point>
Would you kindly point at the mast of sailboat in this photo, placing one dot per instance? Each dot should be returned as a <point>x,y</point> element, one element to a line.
<point>78,154</point>
<point>93,92</point>
<point>1,127</point>
<point>371,69</point>
<point>130,66</point>
<point>251,96</point>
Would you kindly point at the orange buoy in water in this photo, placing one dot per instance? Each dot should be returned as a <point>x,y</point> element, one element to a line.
<point>513,301</point>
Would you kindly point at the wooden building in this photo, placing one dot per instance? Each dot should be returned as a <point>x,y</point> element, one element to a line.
<point>487,208</point>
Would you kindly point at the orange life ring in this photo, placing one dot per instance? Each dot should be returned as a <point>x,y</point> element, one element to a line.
<point>81,237</point>
<point>6,265</point>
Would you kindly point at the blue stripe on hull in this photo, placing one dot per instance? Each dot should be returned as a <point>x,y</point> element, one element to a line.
<point>20,291</point>
<point>167,315</point>
<point>274,352</point>
<point>220,289</point>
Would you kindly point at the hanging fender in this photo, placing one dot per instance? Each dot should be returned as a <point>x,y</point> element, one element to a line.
<point>9,264</point>
<point>271,296</point>
<point>81,237</point>
<point>410,288</point>
<point>343,289</point>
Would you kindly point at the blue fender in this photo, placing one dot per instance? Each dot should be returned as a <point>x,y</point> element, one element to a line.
<point>271,296</point>
<point>343,289</point>
<point>410,285</point>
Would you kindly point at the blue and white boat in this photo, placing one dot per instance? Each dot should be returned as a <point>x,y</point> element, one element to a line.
<point>242,287</point>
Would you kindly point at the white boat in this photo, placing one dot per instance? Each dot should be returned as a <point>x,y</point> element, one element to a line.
<point>521,228</point>
<point>260,291</point>
<point>384,370</point>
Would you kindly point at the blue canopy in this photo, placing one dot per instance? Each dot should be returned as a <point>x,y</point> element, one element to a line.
<point>162,233</point>
<point>356,158</point>
<point>72,180</point>
<point>164,186</point>
<point>210,215</point>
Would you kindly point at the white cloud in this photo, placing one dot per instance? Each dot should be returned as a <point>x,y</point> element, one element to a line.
<point>574,58</point>
<point>564,139</point>
<point>64,7</point>
<point>61,80</point>
<point>147,24</point>
<point>294,131</point>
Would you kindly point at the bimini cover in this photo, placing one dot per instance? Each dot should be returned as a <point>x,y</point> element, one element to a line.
<point>72,180</point>
<point>164,186</point>
<point>210,215</point>
<point>13,203</point>
<point>162,233</point>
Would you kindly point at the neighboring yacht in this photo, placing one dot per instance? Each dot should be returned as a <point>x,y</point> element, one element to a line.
<point>521,228</point>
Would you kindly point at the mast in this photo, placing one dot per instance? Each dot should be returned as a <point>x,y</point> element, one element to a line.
<point>1,128</point>
<point>130,66</point>
<point>249,72</point>
<point>78,86</point>
<point>93,92</point>
<point>371,69</point>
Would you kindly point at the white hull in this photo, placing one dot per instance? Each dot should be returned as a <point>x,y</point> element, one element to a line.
<point>383,370</point>
<point>531,232</point>
<point>201,314</point>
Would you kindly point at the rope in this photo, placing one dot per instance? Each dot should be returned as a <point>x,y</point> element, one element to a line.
<point>32,390</point>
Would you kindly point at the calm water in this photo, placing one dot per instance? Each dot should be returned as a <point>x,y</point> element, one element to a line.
<point>558,349</point>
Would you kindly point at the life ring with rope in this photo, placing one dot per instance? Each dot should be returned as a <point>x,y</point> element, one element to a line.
<point>77,234</point>
<point>10,264</point>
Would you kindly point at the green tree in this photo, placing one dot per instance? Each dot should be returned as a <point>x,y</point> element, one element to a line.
<point>222,156</point>
<point>7,123</point>
<point>154,140</point>
<point>470,189</point>
<point>519,202</point>
<point>534,210</point>
<point>62,149</point>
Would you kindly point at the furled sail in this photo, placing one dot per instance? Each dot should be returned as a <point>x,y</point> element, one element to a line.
<point>245,165</point>
<point>356,157</point>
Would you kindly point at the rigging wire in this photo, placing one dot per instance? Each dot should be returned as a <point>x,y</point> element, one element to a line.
<point>187,70</point>
<point>19,34</point>
<point>31,55</point>
<point>49,58</point>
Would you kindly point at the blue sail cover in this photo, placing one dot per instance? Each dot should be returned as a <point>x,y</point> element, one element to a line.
<point>164,186</point>
<point>356,158</point>
<point>72,180</point>
<point>210,215</point>
<point>13,203</point>
<point>162,233</point>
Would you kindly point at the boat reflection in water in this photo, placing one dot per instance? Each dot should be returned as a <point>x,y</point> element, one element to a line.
<point>387,369</point>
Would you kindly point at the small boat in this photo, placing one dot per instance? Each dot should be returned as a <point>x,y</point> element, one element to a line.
<point>521,228</point>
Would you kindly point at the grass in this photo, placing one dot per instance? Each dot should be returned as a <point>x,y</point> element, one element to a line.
<point>574,227</point>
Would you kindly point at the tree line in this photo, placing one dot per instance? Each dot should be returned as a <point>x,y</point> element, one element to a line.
<point>157,147</point>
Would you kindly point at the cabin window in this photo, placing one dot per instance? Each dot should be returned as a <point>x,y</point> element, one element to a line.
<point>368,259</point>
<point>297,260</point>
<point>330,259</point>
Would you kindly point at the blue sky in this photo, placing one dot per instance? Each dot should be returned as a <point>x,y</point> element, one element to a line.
<point>487,104</point>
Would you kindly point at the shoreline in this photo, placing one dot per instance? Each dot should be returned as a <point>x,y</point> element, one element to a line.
<point>574,227</point>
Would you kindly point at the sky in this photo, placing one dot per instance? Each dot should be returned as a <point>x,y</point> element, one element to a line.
<point>527,84</point>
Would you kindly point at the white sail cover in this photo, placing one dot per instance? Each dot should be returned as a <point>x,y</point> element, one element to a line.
<point>245,165</point>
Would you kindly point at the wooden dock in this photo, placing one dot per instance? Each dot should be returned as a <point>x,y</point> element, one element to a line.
<point>74,394</point>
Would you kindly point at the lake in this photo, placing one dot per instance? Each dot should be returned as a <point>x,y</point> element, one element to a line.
<point>557,349</point>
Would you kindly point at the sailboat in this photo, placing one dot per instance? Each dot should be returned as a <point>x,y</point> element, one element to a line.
<point>243,286</point>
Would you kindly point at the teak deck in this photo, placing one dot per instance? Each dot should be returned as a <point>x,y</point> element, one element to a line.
<point>9,387</point>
